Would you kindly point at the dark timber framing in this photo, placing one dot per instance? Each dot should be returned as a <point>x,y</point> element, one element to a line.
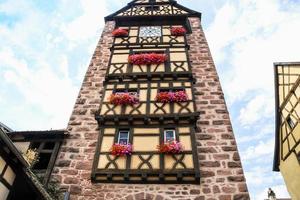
<point>121,74</point>
<point>20,167</point>
<point>278,152</point>
<point>145,176</point>
<point>42,138</point>
<point>173,14</point>
<point>164,116</point>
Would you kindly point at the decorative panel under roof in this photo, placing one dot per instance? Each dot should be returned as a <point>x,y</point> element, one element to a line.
<point>150,1</point>
<point>144,8</point>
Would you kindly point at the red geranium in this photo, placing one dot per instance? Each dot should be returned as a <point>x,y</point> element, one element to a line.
<point>124,99</point>
<point>178,31</point>
<point>163,97</point>
<point>120,32</point>
<point>173,147</point>
<point>168,97</point>
<point>147,59</point>
<point>121,149</point>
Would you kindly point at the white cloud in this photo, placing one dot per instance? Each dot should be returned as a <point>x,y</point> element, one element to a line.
<point>89,23</point>
<point>250,36</point>
<point>257,109</point>
<point>280,191</point>
<point>257,133</point>
<point>39,61</point>
<point>258,177</point>
<point>264,148</point>
<point>245,38</point>
<point>42,88</point>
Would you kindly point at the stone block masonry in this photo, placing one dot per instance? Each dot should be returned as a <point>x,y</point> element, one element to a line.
<point>222,176</point>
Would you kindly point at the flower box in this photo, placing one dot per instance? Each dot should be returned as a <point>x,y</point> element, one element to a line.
<point>178,31</point>
<point>147,59</point>
<point>170,97</point>
<point>123,99</point>
<point>121,149</point>
<point>120,32</point>
<point>173,147</point>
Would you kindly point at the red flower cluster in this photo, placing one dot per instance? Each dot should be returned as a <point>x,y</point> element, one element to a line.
<point>121,149</point>
<point>168,97</point>
<point>170,148</point>
<point>147,59</point>
<point>123,99</point>
<point>178,31</point>
<point>120,32</point>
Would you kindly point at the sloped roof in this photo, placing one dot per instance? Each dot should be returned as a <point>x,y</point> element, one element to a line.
<point>191,13</point>
<point>5,128</point>
<point>18,159</point>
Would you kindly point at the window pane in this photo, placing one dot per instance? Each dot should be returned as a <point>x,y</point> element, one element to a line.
<point>169,135</point>
<point>3,191</point>
<point>2,164</point>
<point>120,91</point>
<point>122,141</point>
<point>150,31</point>
<point>9,176</point>
<point>290,122</point>
<point>123,137</point>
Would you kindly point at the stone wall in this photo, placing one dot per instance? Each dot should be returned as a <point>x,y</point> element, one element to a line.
<point>221,171</point>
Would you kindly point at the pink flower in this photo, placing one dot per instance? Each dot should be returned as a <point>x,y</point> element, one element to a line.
<point>169,97</point>
<point>121,149</point>
<point>173,147</point>
<point>178,31</point>
<point>123,99</point>
<point>147,59</point>
<point>120,32</point>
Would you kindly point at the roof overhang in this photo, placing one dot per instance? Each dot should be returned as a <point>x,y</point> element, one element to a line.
<point>38,135</point>
<point>115,17</point>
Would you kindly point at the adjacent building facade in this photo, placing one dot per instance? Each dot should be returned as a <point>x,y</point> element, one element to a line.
<point>287,108</point>
<point>17,181</point>
<point>151,84</point>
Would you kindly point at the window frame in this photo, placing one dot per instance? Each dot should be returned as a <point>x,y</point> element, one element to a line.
<point>119,136</point>
<point>5,169</point>
<point>140,30</point>
<point>129,91</point>
<point>165,135</point>
<point>172,89</point>
<point>290,122</point>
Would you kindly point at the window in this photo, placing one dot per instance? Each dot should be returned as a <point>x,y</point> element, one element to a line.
<point>169,135</point>
<point>150,31</point>
<point>172,90</point>
<point>131,92</point>
<point>290,122</point>
<point>123,137</point>
<point>178,90</point>
<point>7,178</point>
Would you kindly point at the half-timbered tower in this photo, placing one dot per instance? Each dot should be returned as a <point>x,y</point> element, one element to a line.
<point>150,121</point>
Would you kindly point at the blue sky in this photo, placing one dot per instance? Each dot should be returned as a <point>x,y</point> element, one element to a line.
<point>46,46</point>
